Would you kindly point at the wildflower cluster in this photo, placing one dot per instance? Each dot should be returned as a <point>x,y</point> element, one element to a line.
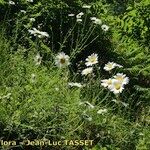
<point>94,20</point>
<point>116,83</point>
<point>11,2</point>
<point>90,61</point>
<point>38,33</point>
<point>79,17</point>
<point>98,21</point>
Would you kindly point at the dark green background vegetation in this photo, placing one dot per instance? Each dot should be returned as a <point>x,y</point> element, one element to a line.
<point>36,111</point>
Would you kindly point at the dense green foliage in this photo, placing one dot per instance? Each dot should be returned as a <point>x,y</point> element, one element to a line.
<point>36,101</point>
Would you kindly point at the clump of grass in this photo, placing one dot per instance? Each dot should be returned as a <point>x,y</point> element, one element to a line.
<point>42,97</point>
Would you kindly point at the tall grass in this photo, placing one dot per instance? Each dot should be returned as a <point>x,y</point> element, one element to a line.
<point>37,101</point>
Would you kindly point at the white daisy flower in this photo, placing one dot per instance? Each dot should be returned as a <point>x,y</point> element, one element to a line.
<point>96,20</point>
<point>32,32</point>
<point>93,18</point>
<point>106,82</point>
<point>32,19</point>
<point>31,1</point>
<point>122,78</point>
<point>81,14</point>
<point>79,20</point>
<point>23,11</point>
<point>44,34</point>
<point>116,87</point>
<point>115,101</point>
<point>38,33</point>
<point>71,15</point>
<point>62,60</point>
<point>109,66</point>
<point>75,84</point>
<point>11,3</point>
<point>87,71</point>
<point>91,60</point>
<point>86,6</point>
<point>102,111</point>
<point>78,16</point>
<point>105,27</point>
<point>38,59</point>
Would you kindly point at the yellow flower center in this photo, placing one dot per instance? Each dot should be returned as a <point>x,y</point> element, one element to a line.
<point>92,59</point>
<point>119,78</point>
<point>117,86</point>
<point>62,60</point>
<point>109,65</point>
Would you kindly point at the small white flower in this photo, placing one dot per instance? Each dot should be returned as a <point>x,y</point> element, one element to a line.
<point>87,71</point>
<point>91,60</point>
<point>86,6</point>
<point>11,3</point>
<point>31,1</point>
<point>32,19</point>
<point>38,33</point>
<point>106,82</point>
<point>116,87</point>
<point>96,20</point>
<point>78,16</point>
<point>79,20</point>
<point>115,101</point>
<point>32,32</point>
<point>75,84</point>
<point>44,34</point>
<point>71,15</point>
<point>102,111</point>
<point>23,11</point>
<point>105,27</point>
<point>33,77</point>
<point>81,14</point>
<point>38,59</point>
<point>122,78</point>
<point>93,18</point>
<point>62,60</point>
<point>109,66</point>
